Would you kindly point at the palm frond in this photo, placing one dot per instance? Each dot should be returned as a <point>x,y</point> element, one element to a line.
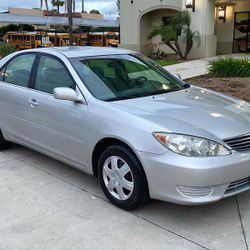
<point>197,38</point>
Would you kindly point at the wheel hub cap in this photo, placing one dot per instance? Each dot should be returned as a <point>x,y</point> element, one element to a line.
<point>118,178</point>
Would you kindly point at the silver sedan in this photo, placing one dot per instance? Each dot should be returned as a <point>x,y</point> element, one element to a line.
<point>118,115</point>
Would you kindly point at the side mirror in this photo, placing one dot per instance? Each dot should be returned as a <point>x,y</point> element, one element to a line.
<point>67,94</point>
<point>177,75</point>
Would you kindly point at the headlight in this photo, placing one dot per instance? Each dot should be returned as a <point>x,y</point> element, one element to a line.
<point>191,145</point>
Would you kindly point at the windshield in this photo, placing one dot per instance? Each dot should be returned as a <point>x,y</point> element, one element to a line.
<point>121,77</point>
<point>110,36</point>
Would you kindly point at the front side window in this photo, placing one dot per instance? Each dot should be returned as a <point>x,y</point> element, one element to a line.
<point>124,76</point>
<point>18,70</point>
<point>52,74</point>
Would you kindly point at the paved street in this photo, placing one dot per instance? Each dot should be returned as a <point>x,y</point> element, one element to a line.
<point>48,205</point>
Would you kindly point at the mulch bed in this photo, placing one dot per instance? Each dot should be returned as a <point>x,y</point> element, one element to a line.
<point>236,86</point>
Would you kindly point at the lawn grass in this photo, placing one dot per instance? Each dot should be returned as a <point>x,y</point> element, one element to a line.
<point>165,62</point>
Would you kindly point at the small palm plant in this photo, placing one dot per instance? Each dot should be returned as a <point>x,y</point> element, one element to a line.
<point>181,23</point>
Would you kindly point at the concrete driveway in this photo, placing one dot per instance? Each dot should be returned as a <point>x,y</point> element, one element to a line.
<point>45,204</point>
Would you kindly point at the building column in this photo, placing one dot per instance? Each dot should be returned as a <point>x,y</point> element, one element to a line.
<point>203,20</point>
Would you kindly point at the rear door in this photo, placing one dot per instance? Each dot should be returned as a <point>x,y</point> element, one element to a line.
<point>56,126</point>
<point>14,82</point>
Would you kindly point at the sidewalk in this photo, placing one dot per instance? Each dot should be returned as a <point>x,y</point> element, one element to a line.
<point>198,67</point>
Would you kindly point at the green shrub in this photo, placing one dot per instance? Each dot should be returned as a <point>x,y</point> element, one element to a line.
<point>230,67</point>
<point>6,49</point>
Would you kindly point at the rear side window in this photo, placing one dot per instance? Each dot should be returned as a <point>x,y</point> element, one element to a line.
<point>18,70</point>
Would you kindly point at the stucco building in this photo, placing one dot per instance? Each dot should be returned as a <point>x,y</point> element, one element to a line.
<point>224,25</point>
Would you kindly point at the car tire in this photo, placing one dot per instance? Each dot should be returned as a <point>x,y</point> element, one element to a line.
<point>122,178</point>
<point>3,143</point>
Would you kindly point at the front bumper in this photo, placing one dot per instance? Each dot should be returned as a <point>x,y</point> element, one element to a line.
<point>187,180</point>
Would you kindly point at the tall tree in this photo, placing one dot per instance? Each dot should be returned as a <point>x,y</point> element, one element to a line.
<point>82,6</point>
<point>46,4</point>
<point>118,6</point>
<point>70,21</point>
<point>95,12</point>
<point>73,6</point>
<point>57,4</point>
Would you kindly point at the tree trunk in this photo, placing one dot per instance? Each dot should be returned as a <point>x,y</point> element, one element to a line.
<point>74,6</point>
<point>179,50</point>
<point>174,48</point>
<point>70,21</point>
<point>47,6</point>
<point>189,46</point>
<point>58,9</point>
<point>82,6</point>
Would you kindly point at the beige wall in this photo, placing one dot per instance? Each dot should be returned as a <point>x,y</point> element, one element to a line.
<point>92,16</point>
<point>225,30</point>
<point>203,21</point>
<point>137,19</point>
<point>26,12</point>
<point>131,19</point>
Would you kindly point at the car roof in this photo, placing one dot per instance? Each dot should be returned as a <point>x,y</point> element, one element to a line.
<point>86,51</point>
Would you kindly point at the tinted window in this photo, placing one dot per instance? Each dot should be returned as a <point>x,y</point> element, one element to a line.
<point>124,76</point>
<point>52,74</point>
<point>19,69</point>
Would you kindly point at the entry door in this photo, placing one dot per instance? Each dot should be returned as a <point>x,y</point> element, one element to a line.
<point>15,78</point>
<point>56,126</point>
<point>242,32</point>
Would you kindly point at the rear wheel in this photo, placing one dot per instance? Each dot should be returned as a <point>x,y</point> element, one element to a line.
<point>3,143</point>
<point>122,178</point>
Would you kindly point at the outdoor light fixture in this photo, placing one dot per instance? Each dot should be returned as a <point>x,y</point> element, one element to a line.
<point>190,4</point>
<point>222,13</point>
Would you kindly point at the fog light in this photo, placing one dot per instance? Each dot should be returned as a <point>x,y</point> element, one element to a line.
<point>195,191</point>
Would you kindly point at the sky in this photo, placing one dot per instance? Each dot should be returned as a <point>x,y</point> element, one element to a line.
<point>107,7</point>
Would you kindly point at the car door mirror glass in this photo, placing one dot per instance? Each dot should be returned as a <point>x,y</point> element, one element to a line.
<point>67,94</point>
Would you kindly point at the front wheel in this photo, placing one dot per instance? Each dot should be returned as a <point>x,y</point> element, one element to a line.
<point>122,178</point>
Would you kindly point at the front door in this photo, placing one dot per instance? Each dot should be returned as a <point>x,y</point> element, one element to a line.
<point>56,126</point>
<point>242,32</point>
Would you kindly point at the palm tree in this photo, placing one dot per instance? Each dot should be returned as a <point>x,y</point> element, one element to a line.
<point>57,4</point>
<point>82,6</point>
<point>73,6</point>
<point>70,21</point>
<point>118,6</point>
<point>46,4</point>
<point>170,33</point>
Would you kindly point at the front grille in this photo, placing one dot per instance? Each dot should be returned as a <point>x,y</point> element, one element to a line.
<point>239,143</point>
<point>237,186</point>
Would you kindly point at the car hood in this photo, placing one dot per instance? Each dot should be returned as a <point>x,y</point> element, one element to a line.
<point>194,111</point>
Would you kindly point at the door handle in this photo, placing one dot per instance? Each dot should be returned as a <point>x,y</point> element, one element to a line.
<point>33,103</point>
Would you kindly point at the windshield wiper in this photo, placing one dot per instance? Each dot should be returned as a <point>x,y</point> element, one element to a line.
<point>120,98</point>
<point>164,91</point>
<point>158,92</point>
